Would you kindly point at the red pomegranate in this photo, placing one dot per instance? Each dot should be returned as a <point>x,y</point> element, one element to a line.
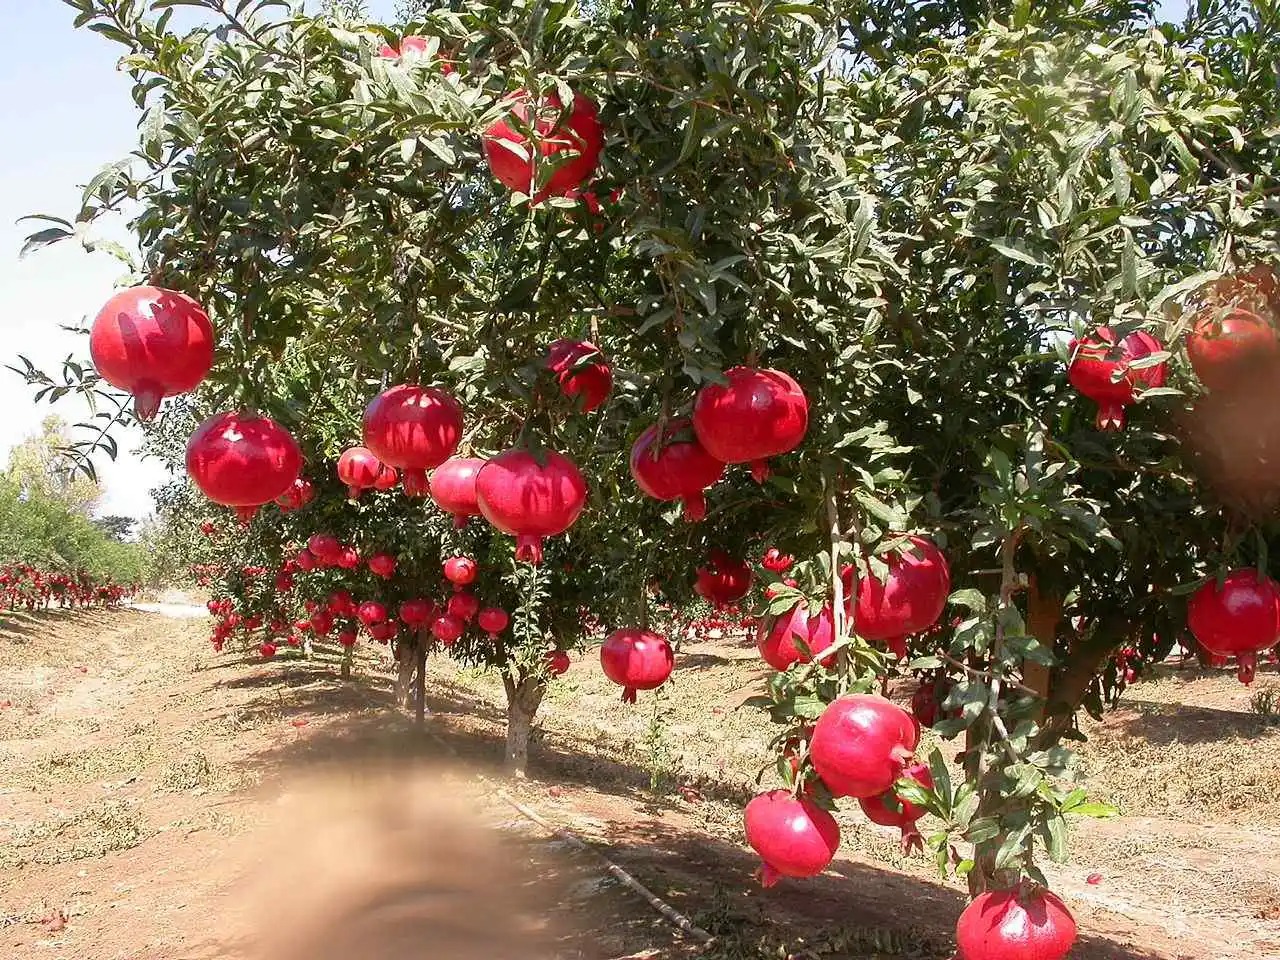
<point>1099,368</point>
<point>557,662</point>
<point>492,620</point>
<point>582,372</point>
<point>322,622</point>
<point>341,604</point>
<point>1222,348</point>
<point>777,561</point>
<point>910,599</point>
<point>1021,924</point>
<point>724,580</point>
<point>417,612</point>
<point>776,637</point>
<point>861,744</point>
<point>453,487</point>
<point>414,429</point>
<point>325,548</point>
<point>153,343</point>
<point>382,565</point>
<point>359,470</point>
<point>347,638</point>
<point>460,571</point>
<point>572,144</point>
<point>890,810</point>
<point>672,464</point>
<point>636,660</point>
<point>242,460</point>
<point>1241,620</point>
<point>371,612</point>
<point>297,496</point>
<point>349,558</point>
<point>447,629</point>
<point>531,500</point>
<point>793,835</point>
<point>387,478</point>
<point>268,650</point>
<point>463,605</point>
<point>758,414</point>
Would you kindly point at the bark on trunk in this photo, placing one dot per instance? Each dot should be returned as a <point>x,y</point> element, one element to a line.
<point>523,700</point>
<point>420,684</point>
<point>405,662</point>
<point>1044,610</point>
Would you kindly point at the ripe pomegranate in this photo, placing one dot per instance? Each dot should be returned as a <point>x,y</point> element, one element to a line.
<point>572,144</point>
<point>453,487</point>
<point>759,414</point>
<point>861,744</point>
<point>387,478</point>
<point>322,623</point>
<point>297,496</point>
<point>463,605</point>
<point>371,612</point>
<point>416,613</point>
<point>1222,349</point>
<point>1099,368</point>
<point>413,428</point>
<point>672,464</point>
<point>582,372</point>
<point>910,599</point>
<point>447,629</point>
<point>383,565</point>
<point>531,500</point>
<point>890,810</point>
<point>153,343</point>
<point>324,548</point>
<point>776,636</point>
<point>349,558</point>
<point>242,460</point>
<point>347,638</point>
<point>793,835</point>
<point>724,580</point>
<point>1022,924</point>
<point>460,571</point>
<point>1241,620</point>
<point>341,604</point>
<point>776,560</point>
<point>359,470</point>
<point>557,662</point>
<point>636,660</point>
<point>383,632</point>
<point>267,649</point>
<point>492,620</point>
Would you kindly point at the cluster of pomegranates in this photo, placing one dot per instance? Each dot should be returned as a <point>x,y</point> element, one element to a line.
<point>27,587</point>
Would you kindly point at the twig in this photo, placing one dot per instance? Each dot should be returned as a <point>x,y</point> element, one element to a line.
<point>982,674</point>
<point>668,912</point>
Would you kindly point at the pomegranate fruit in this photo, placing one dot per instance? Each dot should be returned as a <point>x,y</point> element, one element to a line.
<point>776,636</point>
<point>1241,620</point>
<point>758,414</point>
<point>861,745</point>
<point>724,580</point>
<point>242,460</point>
<point>1100,369</point>
<point>447,629</point>
<point>359,470</point>
<point>417,612</point>
<point>531,500</point>
<point>382,565</point>
<point>1224,348</point>
<point>325,548</point>
<point>672,464</point>
<point>453,487</point>
<point>460,571</point>
<point>571,144</point>
<point>793,835</point>
<point>492,620</point>
<point>414,429</point>
<point>890,810</point>
<point>557,662</point>
<point>153,343</point>
<point>297,496</point>
<point>636,660</point>
<point>371,612</point>
<point>1021,924</point>
<point>463,605</point>
<point>582,372</point>
<point>910,599</point>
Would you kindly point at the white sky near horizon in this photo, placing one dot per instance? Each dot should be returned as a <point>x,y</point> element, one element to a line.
<point>67,112</point>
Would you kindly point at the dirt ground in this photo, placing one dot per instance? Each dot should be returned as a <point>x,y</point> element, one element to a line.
<point>158,802</point>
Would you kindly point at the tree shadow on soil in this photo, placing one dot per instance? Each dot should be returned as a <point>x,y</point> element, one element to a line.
<point>1160,723</point>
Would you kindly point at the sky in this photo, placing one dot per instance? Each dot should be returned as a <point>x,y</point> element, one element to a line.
<point>67,112</point>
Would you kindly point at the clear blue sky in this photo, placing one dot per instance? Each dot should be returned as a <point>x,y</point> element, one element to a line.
<point>66,112</point>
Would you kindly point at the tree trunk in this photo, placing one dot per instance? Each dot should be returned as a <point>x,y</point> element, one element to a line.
<point>405,661</point>
<point>523,700</point>
<point>420,684</point>
<point>1044,610</point>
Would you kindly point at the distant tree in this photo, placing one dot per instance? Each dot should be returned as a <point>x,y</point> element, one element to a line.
<point>116,527</point>
<point>40,467</point>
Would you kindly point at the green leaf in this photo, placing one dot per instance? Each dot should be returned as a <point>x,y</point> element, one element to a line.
<point>42,238</point>
<point>1017,250</point>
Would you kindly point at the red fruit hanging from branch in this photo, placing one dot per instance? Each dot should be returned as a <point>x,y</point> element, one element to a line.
<point>1021,924</point>
<point>723,580</point>
<point>242,460</point>
<point>1101,368</point>
<point>297,496</point>
<point>1242,619</point>
<point>758,414</point>
<point>414,429</point>
<point>861,744</point>
<point>453,488</point>
<point>359,470</point>
<point>382,565</point>
<point>793,835</point>
<point>778,638</point>
<point>890,810</point>
<point>582,372</point>
<point>1227,344</point>
<point>672,464</point>
<point>564,151</point>
<point>908,601</point>
<point>530,499</point>
<point>460,571</point>
<point>636,660</point>
<point>492,620</point>
<point>152,342</point>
